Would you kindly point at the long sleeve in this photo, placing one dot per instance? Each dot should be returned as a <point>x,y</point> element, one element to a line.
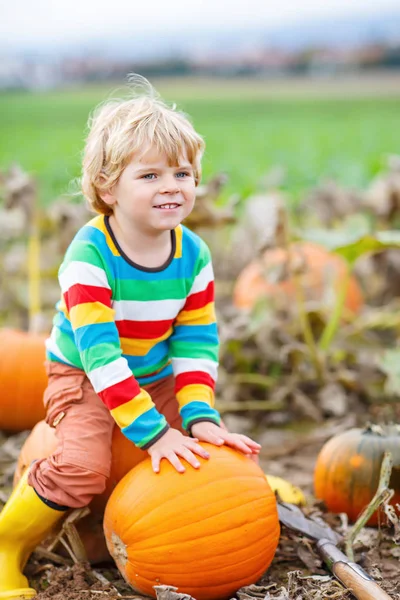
<point>194,347</point>
<point>87,291</point>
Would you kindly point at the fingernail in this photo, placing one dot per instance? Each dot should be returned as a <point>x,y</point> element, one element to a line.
<point>197,465</point>
<point>206,455</point>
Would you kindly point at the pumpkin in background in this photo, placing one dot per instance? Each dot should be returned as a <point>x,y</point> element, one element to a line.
<point>208,531</point>
<point>23,379</point>
<point>347,471</point>
<point>320,270</point>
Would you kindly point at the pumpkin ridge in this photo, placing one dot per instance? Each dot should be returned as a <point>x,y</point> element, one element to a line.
<point>215,556</point>
<point>189,525</point>
<point>363,442</point>
<point>352,490</point>
<point>211,535</point>
<point>334,480</point>
<point>190,510</point>
<point>262,542</point>
<point>207,484</point>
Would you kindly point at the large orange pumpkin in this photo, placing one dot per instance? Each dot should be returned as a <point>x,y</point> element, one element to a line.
<point>208,531</point>
<point>22,379</point>
<point>321,272</point>
<point>348,467</point>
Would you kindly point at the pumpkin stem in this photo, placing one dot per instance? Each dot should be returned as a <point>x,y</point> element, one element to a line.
<point>372,428</point>
<point>382,496</point>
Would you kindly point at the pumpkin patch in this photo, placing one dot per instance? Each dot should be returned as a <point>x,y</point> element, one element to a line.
<point>207,532</point>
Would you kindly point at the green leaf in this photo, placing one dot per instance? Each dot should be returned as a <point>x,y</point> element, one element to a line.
<point>352,245</point>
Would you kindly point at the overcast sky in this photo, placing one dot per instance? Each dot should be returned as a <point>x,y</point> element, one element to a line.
<point>25,22</point>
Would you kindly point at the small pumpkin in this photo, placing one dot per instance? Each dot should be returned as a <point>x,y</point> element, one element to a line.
<point>347,470</point>
<point>208,531</point>
<point>320,272</point>
<point>23,379</point>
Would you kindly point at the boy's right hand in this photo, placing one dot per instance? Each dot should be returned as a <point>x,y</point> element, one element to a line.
<point>172,445</point>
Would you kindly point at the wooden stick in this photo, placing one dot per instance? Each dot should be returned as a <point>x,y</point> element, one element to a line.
<point>43,553</point>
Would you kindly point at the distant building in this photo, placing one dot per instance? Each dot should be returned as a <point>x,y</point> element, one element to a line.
<point>19,73</point>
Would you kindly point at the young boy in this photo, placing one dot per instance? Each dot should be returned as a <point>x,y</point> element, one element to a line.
<point>134,339</point>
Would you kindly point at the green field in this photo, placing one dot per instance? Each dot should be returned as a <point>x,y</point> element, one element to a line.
<point>339,131</point>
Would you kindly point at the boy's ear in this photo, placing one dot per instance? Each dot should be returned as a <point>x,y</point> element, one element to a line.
<point>106,195</point>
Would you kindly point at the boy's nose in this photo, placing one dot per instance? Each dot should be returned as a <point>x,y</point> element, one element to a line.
<point>169,190</point>
<point>169,186</point>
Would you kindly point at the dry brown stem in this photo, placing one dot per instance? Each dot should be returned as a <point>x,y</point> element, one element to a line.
<point>382,496</point>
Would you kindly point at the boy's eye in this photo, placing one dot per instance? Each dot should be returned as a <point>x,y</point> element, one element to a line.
<point>149,176</point>
<point>182,174</point>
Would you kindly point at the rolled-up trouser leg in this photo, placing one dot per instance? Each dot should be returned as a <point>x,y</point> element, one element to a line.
<point>80,466</point>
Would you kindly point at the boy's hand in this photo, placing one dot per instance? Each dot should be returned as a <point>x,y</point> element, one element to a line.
<point>173,444</point>
<point>214,434</point>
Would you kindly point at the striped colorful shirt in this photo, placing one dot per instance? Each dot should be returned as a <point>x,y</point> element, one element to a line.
<point>127,326</point>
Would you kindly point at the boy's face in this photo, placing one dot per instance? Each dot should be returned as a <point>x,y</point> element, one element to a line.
<point>152,195</point>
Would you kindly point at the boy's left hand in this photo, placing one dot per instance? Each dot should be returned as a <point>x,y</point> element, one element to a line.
<point>214,434</point>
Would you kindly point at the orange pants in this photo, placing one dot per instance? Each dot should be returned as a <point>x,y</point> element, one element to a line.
<point>80,466</point>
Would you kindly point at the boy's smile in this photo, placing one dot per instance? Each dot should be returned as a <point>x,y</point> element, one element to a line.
<point>168,206</point>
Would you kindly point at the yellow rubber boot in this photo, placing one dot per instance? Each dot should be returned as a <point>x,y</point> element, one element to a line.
<point>24,522</point>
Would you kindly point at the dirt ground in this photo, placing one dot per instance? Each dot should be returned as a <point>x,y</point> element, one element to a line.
<point>296,573</point>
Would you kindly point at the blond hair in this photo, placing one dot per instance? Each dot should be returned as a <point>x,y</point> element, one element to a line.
<point>120,129</point>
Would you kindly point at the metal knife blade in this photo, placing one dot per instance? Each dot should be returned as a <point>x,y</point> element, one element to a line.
<point>293,518</point>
